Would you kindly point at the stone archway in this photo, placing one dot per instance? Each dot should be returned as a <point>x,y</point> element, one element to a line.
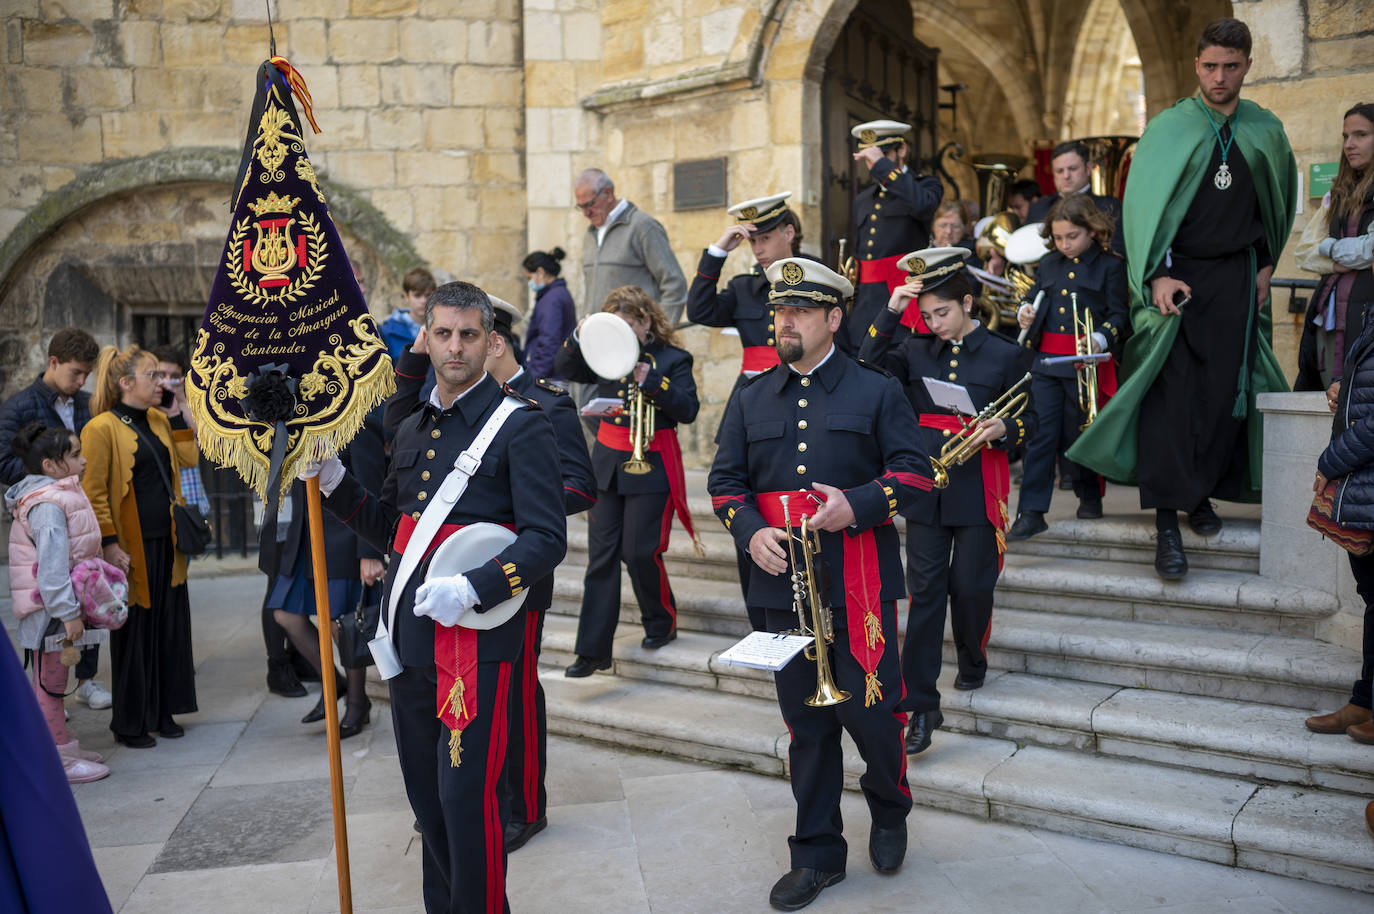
<point>1105,80</point>
<point>1165,33</point>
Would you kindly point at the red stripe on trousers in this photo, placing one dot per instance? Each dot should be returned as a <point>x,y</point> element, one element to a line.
<point>531,725</point>
<point>491,815</point>
<point>664,594</point>
<point>902,721</point>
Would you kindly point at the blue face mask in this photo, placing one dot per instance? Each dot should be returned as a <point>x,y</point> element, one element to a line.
<point>536,286</point>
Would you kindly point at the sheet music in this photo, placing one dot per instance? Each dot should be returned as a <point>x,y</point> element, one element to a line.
<point>1061,359</point>
<point>950,396</point>
<point>604,406</point>
<point>89,637</point>
<point>764,650</point>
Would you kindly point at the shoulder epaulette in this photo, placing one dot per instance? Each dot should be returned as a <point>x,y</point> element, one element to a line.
<point>552,388</point>
<point>767,371</point>
<point>515,394</point>
<point>872,367</point>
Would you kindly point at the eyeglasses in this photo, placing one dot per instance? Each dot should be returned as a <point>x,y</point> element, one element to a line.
<point>152,374</point>
<point>587,207</point>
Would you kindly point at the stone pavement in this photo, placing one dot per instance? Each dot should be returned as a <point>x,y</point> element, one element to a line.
<point>235,817</point>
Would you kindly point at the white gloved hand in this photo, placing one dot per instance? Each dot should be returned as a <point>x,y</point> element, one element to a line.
<point>445,600</point>
<point>330,471</point>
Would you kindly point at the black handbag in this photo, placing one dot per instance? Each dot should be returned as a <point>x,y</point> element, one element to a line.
<point>192,530</point>
<point>359,627</point>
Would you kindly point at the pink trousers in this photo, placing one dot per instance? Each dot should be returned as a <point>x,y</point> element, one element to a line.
<point>54,677</point>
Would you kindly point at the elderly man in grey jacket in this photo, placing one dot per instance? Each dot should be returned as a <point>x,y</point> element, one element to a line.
<point>625,246</point>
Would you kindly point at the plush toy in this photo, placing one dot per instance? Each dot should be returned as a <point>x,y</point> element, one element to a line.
<point>102,591</point>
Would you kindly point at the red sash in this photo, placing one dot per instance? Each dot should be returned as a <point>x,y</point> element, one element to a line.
<point>758,358</point>
<point>455,653</point>
<point>996,479</point>
<point>862,584</point>
<point>1066,344</point>
<point>665,443</point>
<point>884,270</point>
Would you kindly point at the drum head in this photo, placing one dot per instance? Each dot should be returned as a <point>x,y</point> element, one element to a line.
<point>470,548</point>
<point>609,345</point>
<point>1026,246</point>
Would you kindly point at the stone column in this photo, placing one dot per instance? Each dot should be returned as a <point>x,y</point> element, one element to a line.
<point>1297,428</point>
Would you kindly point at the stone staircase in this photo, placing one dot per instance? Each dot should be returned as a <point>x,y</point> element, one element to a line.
<point>1161,715</point>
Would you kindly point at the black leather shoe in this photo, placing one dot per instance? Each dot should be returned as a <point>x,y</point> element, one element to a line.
<point>170,729</point>
<point>143,741</point>
<point>282,680</point>
<point>887,848</point>
<point>923,725</point>
<point>968,685</point>
<point>316,713</point>
<point>1203,520</point>
<point>517,833</point>
<point>1028,523</point>
<point>349,728</point>
<point>1089,508</point>
<point>798,888</point>
<point>1170,562</point>
<point>585,666</point>
<point>654,642</point>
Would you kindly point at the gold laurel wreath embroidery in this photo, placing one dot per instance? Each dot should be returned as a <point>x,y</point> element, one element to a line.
<point>319,250</point>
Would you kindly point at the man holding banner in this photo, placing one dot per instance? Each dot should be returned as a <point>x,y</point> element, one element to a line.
<point>452,762</point>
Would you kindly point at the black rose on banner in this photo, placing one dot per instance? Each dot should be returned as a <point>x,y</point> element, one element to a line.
<point>271,395</point>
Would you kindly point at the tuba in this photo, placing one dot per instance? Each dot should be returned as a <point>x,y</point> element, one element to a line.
<point>813,615</point>
<point>959,448</point>
<point>1086,371</point>
<point>1112,156</point>
<point>611,350</point>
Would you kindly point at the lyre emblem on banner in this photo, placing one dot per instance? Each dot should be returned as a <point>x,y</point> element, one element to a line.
<point>283,257</point>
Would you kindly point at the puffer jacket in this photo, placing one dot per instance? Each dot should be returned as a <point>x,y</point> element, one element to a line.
<point>1349,458</point>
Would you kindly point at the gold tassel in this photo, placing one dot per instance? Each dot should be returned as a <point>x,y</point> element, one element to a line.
<point>698,548</point>
<point>873,689</point>
<point>457,698</point>
<point>455,747</point>
<point>873,630</point>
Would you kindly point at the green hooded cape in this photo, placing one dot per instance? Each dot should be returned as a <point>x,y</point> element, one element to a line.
<point>1168,165</point>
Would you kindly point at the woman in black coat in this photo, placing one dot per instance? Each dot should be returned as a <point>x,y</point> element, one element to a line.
<point>1349,461</point>
<point>350,564</point>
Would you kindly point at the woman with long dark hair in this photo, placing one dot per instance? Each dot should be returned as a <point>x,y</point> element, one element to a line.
<point>1337,244</point>
<point>134,453</point>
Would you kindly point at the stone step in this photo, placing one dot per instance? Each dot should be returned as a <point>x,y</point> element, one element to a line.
<point>1304,832</point>
<point>1215,736</point>
<point>1231,600</point>
<point>1131,539</point>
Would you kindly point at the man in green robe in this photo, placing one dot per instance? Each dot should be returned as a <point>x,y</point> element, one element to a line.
<point>1209,204</point>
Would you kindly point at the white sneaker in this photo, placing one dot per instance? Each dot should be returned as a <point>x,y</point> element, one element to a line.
<point>74,750</point>
<point>80,771</point>
<point>96,697</point>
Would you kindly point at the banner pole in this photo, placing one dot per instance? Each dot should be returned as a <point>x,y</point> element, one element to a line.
<point>331,695</point>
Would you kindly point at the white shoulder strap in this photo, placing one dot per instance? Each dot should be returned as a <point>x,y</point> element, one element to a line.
<point>452,489</point>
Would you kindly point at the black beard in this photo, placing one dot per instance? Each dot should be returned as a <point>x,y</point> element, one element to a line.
<point>789,352</point>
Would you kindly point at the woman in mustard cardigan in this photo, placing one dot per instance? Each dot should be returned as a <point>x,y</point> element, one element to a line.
<point>129,445</point>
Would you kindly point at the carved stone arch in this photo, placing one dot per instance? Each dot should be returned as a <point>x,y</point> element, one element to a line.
<point>1165,32</point>
<point>1093,91</point>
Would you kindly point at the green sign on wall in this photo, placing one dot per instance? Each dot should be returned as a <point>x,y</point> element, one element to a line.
<point>1320,178</point>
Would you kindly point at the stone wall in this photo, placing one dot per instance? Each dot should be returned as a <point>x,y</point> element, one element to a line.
<point>420,102</point>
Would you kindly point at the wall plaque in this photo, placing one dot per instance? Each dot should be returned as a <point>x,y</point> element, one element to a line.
<point>699,184</point>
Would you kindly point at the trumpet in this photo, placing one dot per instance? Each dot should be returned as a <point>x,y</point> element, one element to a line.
<point>847,267</point>
<point>641,429</point>
<point>959,448</point>
<point>817,621</point>
<point>1087,371</point>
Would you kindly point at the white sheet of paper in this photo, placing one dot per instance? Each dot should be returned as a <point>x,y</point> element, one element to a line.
<point>764,650</point>
<point>604,406</point>
<point>89,637</point>
<point>950,396</point>
<point>1061,359</point>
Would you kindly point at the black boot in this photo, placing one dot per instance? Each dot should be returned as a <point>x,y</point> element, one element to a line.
<point>282,680</point>
<point>1089,508</point>
<point>799,887</point>
<point>1028,524</point>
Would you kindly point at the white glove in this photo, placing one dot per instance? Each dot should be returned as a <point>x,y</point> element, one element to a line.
<point>1026,310</point>
<point>1099,342</point>
<point>330,470</point>
<point>445,600</point>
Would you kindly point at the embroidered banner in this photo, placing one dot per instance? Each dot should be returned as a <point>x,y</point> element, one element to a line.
<point>288,358</point>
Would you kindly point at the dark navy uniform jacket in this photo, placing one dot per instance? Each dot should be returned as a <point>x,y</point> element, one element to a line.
<point>1099,278</point>
<point>892,215</point>
<point>518,483</point>
<point>846,425</point>
<point>1040,208</point>
<point>987,364</point>
<point>742,304</point>
<point>670,388</point>
<point>579,486</point>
